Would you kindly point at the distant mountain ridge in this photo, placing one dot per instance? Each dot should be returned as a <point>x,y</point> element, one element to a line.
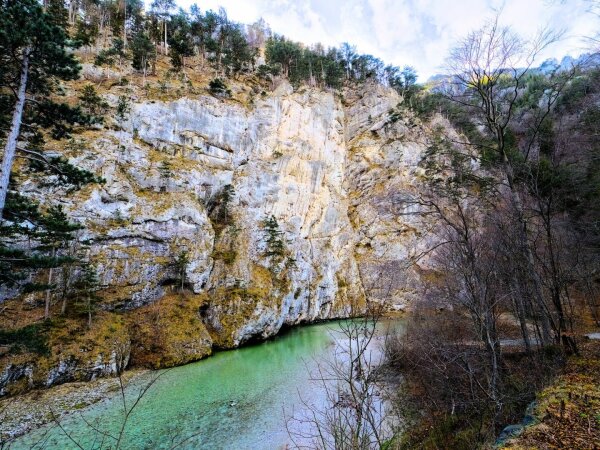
<point>547,67</point>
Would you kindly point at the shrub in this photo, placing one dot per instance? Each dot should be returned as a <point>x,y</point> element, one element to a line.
<point>123,108</point>
<point>218,206</point>
<point>31,338</point>
<point>91,101</point>
<point>227,256</point>
<point>218,87</point>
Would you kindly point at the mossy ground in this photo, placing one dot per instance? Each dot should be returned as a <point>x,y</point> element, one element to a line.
<point>569,409</point>
<point>169,332</point>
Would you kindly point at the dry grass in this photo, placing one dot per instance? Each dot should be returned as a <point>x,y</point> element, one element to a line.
<point>568,409</point>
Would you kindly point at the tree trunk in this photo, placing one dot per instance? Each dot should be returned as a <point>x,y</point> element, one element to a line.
<point>537,285</point>
<point>10,147</point>
<point>556,277</point>
<point>144,72</point>
<point>105,26</point>
<point>493,346</point>
<point>521,315</point>
<point>527,253</point>
<point>72,12</point>
<point>48,291</point>
<point>124,25</point>
<point>89,305</point>
<point>47,302</point>
<point>166,45</point>
<point>67,282</point>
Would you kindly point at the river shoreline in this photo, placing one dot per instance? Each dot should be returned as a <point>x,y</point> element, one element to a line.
<point>25,412</point>
<point>31,410</point>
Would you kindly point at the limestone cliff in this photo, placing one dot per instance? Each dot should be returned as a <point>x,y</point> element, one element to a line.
<point>334,170</point>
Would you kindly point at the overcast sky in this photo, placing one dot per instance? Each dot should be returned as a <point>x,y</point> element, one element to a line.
<point>410,32</point>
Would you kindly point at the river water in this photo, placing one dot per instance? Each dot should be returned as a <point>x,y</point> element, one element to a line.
<point>238,399</point>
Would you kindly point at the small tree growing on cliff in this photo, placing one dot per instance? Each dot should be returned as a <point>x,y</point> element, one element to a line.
<point>181,264</point>
<point>85,288</point>
<point>92,102</point>
<point>275,247</point>
<point>218,87</point>
<point>57,233</point>
<point>107,57</point>
<point>123,108</point>
<point>218,206</point>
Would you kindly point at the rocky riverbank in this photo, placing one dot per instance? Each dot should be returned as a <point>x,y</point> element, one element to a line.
<point>26,412</point>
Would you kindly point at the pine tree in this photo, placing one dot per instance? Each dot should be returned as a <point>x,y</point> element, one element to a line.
<point>32,53</point>
<point>115,52</point>
<point>123,108</point>
<point>163,10</point>
<point>85,290</point>
<point>281,51</point>
<point>333,69</point>
<point>347,55</point>
<point>24,224</point>
<point>238,55</point>
<point>204,29</point>
<point>409,82</point>
<point>125,13</point>
<point>180,40</point>
<point>91,101</point>
<point>218,207</point>
<point>56,233</point>
<point>57,12</point>
<point>85,34</point>
<point>275,246</point>
<point>142,51</point>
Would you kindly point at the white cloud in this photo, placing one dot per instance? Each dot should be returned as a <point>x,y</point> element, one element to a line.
<point>414,32</point>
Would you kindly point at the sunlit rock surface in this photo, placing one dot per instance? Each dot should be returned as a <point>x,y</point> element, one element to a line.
<point>336,171</point>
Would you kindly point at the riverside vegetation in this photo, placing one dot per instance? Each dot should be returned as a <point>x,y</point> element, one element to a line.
<point>173,183</point>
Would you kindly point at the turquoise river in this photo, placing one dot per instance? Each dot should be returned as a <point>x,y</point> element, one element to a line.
<point>238,399</point>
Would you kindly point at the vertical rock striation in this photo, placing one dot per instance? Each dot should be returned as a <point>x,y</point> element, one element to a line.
<point>336,172</point>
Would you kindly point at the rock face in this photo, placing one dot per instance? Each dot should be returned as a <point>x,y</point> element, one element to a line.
<point>383,177</point>
<point>198,177</point>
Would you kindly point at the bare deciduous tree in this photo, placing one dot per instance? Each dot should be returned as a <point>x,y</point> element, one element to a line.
<point>355,415</point>
<point>489,68</point>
